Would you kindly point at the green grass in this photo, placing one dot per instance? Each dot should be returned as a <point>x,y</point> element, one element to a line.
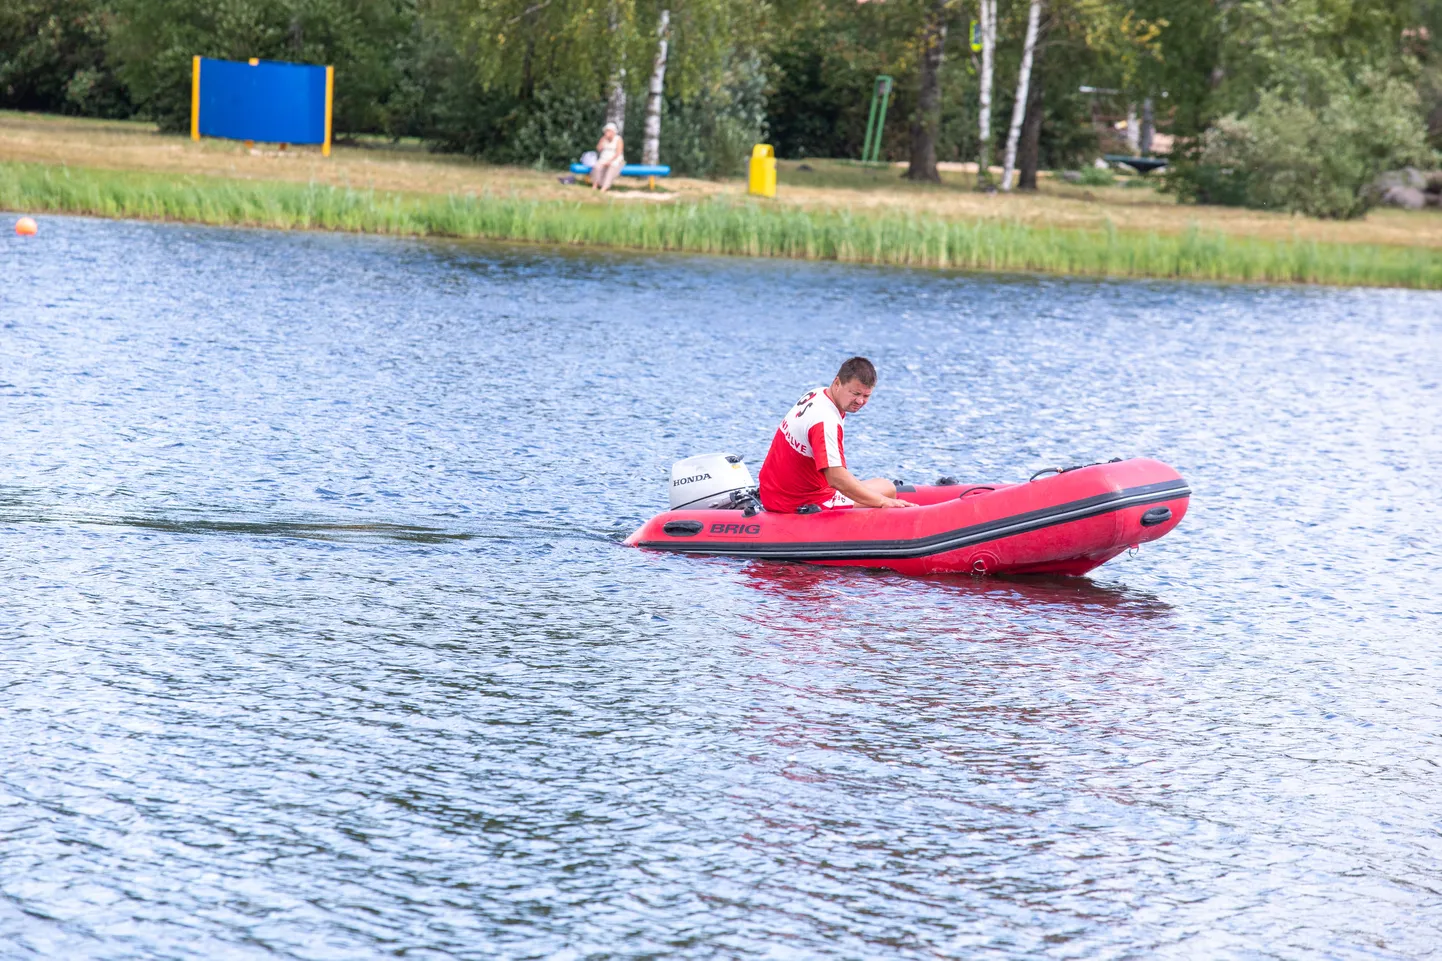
<point>716,227</point>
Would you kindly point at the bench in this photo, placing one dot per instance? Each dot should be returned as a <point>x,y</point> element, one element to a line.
<point>649,171</point>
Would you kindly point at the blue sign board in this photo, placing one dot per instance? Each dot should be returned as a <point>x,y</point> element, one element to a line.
<point>261,100</point>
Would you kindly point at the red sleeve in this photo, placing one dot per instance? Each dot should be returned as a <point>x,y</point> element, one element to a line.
<point>825,440</point>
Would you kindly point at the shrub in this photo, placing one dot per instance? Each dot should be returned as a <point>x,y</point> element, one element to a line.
<point>1313,158</point>
<point>556,129</point>
<point>53,57</point>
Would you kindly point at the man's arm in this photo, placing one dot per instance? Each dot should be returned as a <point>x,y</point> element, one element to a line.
<point>844,481</point>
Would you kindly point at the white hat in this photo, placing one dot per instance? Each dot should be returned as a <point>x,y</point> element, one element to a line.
<point>609,126</point>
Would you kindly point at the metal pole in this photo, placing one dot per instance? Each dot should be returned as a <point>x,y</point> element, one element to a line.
<point>870,124</point>
<point>883,84</point>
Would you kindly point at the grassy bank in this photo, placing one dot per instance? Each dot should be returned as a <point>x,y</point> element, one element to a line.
<point>716,226</point>
<point>818,185</point>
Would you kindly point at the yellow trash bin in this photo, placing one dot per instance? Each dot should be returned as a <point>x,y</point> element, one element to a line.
<point>763,170</point>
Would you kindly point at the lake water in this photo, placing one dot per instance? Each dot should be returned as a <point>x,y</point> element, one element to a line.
<point>318,640</point>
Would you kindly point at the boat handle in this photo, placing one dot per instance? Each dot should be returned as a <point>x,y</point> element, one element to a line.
<point>682,528</point>
<point>1155,516</point>
<point>1076,466</point>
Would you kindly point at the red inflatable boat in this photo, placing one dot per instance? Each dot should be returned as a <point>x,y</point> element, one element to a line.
<point>1065,521</point>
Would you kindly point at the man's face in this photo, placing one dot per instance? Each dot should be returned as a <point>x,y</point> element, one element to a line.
<point>850,396</point>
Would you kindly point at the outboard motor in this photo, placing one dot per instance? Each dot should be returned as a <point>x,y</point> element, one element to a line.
<point>710,481</point>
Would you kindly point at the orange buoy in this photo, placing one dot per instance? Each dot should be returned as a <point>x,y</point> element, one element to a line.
<point>26,226</point>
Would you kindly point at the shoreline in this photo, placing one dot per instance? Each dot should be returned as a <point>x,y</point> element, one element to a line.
<point>717,225</point>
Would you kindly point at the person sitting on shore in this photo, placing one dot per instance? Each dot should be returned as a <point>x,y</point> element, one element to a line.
<point>610,158</point>
<point>806,464</point>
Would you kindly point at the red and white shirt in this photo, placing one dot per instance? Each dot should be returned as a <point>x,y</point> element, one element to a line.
<point>807,442</point>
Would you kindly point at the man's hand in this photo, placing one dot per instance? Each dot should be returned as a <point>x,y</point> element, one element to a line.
<point>863,494</point>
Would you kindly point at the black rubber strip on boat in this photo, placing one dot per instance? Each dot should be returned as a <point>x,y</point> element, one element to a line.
<point>1023,523</point>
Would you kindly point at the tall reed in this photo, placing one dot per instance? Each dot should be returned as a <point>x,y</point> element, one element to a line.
<point>718,227</point>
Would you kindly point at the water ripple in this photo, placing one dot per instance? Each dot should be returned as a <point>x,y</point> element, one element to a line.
<point>318,640</point>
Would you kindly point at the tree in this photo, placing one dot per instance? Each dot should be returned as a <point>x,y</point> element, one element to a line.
<point>928,107</point>
<point>1023,81</point>
<point>1317,97</point>
<point>154,42</point>
<point>531,81</point>
<point>1029,150</point>
<point>53,57</point>
<point>988,61</point>
<point>651,144</point>
<point>616,102</point>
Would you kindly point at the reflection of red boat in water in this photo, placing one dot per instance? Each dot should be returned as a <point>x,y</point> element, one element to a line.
<point>1067,522</point>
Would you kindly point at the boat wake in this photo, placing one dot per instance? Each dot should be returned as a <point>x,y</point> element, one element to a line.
<point>18,508</point>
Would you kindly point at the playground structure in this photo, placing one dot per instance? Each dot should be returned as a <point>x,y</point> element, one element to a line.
<point>265,100</point>
<point>876,120</point>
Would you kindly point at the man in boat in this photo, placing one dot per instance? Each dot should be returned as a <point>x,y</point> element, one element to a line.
<point>806,464</point>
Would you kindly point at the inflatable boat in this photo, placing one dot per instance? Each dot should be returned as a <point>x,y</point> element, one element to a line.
<point>1061,521</point>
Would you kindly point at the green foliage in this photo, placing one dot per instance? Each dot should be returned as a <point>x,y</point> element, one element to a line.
<point>553,129</point>
<point>825,57</point>
<point>528,83</point>
<point>1187,62</point>
<point>547,129</point>
<point>155,40</point>
<point>1298,49</point>
<point>1268,97</point>
<point>717,227</point>
<point>1298,106</point>
<point>1319,160</point>
<point>819,103</point>
<point>1096,177</point>
<point>53,58</point>
<point>711,135</point>
<point>1429,90</point>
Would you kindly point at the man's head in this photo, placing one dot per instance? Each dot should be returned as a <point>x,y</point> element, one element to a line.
<point>853,385</point>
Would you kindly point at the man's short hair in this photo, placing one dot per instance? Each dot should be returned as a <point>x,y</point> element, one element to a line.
<point>857,368</point>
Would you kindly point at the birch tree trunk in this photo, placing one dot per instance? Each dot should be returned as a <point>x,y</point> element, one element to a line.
<point>1023,84</point>
<point>928,108</point>
<point>651,137</point>
<point>616,103</point>
<point>988,60</point>
<point>1134,130</point>
<point>1149,128</point>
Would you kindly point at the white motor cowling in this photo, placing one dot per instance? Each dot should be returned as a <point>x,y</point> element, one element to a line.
<point>708,480</point>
